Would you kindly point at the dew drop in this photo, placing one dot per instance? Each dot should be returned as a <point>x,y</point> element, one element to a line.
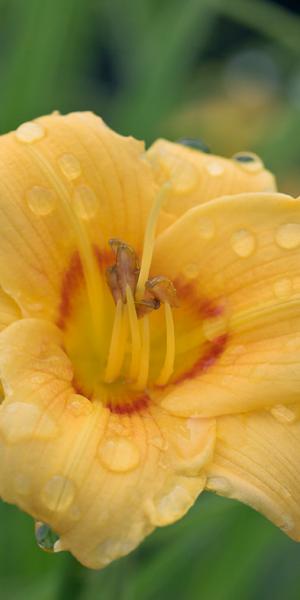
<point>70,166</point>
<point>206,228</point>
<point>45,537</point>
<point>58,493</point>
<point>283,414</point>
<point>214,327</point>
<point>20,421</point>
<point>119,454</point>
<point>79,405</point>
<point>243,243</point>
<point>214,168</point>
<point>170,507</point>
<point>248,161</point>
<point>40,200</point>
<point>195,144</point>
<point>85,202</point>
<point>30,132</point>
<point>288,236</point>
<point>282,288</point>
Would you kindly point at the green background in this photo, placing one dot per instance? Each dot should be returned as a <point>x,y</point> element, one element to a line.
<point>224,70</point>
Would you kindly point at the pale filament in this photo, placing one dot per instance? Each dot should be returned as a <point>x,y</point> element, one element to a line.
<point>149,241</point>
<point>135,336</point>
<point>168,366</point>
<point>117,344</point>
<point>145,355</point>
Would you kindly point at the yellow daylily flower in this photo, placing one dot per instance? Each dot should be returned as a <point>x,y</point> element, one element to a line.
<point>150,334</point>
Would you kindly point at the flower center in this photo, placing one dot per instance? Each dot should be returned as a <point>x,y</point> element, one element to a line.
<point>118,324</point>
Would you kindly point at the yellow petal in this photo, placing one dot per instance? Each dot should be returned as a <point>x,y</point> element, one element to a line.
<point>101,480</point>
<point>248,271</point>
<point>197,177</point>
<point>49,165</point>
<point>257,462</point>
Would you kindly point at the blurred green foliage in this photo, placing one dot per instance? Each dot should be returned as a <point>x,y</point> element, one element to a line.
<point>226,70</point>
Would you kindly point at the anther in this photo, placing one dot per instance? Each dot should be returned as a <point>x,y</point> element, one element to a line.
<point>113,283</point>
<point>146,306</point>
<point>125,272</point>
<point>163,290</point>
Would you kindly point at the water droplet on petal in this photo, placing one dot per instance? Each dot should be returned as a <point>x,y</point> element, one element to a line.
<point>30,132</point>
<point>206,228</point>
<point>170,507</point>
<point>45,537</point>
<point>85,202</point>
<point>243,243</point>
<point>41,200</point>
<point>249,161</point>
<point>282,288</point>
<point>58,493</point>
<point>20,421</point>
<point>79,405</point>
<point>119,454</point>
<point>195,144</point>
<point>283,414</point>
<point>69,165</point>
<point>214,167</point>
<point>288,236</point>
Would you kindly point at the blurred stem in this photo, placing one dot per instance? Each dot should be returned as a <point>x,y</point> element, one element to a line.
<point>72,580</point>
<point>269,19</point>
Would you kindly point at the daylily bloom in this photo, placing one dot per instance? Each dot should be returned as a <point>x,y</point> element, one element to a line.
<point>150,343</point>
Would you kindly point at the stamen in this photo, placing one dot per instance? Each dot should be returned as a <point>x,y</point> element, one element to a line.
<point>117,344</point>
<point>162,288</point>
<point>168,366</point>
<point>135,336</point>
<point>149,241</point>
<point>145,355</point>
<point>113,283</point>
<point>126,267</point>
